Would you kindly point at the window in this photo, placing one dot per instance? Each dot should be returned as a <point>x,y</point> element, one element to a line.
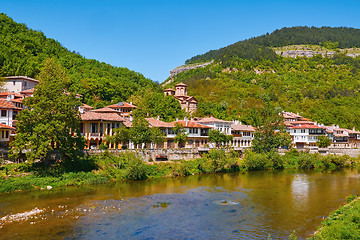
<point>25,84</point>
<point>14,83</point>
<point>294,131</point>
<point>7,134</point>
<point>93,127</point>
<point>247,134</point>
<point>2,134</point>
<point>3,113</point>
<point>302,130</point>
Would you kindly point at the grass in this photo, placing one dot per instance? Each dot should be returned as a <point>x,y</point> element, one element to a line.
<point>127,166</point>
<point>343,223</point>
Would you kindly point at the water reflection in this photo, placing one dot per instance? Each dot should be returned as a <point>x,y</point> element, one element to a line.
<point>222,206</point>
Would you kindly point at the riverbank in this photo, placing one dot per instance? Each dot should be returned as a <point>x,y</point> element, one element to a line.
<point>128,166</point>
<point>343,223</point>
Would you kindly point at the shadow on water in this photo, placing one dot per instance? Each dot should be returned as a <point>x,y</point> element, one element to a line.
<point>219,206</point>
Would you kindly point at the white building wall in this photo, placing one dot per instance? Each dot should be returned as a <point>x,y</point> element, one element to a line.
<point>7,120</point>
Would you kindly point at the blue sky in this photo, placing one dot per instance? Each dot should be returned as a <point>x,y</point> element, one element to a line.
<point>154,36</point>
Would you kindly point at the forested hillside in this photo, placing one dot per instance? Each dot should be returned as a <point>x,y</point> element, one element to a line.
<point>323,89</point>
<point>23,51</point>
<point>259,48</point>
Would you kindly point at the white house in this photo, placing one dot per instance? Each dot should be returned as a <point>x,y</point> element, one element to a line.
<point>242,135</point>
<point>305,135</point>
<point>17,84</point>
<point>218,124</point>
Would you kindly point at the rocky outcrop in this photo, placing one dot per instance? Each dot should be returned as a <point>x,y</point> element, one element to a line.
<point>187,68</point>
<point>310,53</point>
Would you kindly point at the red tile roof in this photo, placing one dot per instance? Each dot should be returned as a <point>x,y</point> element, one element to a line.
<point>97,116</point>
<point>8,105</point>
<point>87,106</point>
<point>5,94</point>
<point>239,127</point>
<point>122,105</point>
<point>181,84</point>
<point>22,77</point>
<point>28,91</point>
<point>105,110</point>
<point>191,124</point>
<point>157,123</point>
<point>211,120</point>
<point>169,89</point>
<point>3,126</point>
<point>307,126</point>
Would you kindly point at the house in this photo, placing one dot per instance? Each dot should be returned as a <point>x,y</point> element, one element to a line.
<point>85,108</point>
<point>124,108</point>
<point>9,109</point>
<point>305,135</point>
<point>218,124</point>
<point>17,84</point>
<point>242,135</point>
<point>188,103</point>
<point>167,129</point>
<point>290,116</point>
<point>197,134</point>
<point>5,135</point>
<point>96,124</point>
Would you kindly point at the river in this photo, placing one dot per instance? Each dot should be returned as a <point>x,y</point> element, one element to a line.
<point>253,205</point>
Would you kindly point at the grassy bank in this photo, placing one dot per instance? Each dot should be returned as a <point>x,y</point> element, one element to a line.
<point>343,223</point>
<point>127,166</point>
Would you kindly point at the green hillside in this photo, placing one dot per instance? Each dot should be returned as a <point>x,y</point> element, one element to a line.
<point>323,89</point>
<point>23,51</point>
<point>259,48</point>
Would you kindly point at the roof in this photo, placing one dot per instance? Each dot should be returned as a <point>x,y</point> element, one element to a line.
<point>105,110</point>
<point>191,124</point>
<point>184,99</point>
<point>169,89</point>
<point>181,84</point>
<point>239,127</point>
<point>307,126</point>
<point>28,91</point>
<point>352,131</point>
<point>127,123</point>
<point>211,120</point>
<point>22,77</point>
<point>122,105</point>
<point>87,106</point>
<point>341,135</point>
<point>157,123</point>
<point>5,126</point>
<point>5,94</point>
<point>8,105</point>
<point>97,116</point>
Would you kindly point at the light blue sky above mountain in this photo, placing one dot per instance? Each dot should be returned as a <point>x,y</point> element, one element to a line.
<point>154,36</point>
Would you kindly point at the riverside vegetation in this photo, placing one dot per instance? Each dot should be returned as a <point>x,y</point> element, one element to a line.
<point>106,167</point>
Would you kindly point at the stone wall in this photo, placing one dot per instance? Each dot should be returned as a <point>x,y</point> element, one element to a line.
<point>310,53</point>
<point>187,68</point>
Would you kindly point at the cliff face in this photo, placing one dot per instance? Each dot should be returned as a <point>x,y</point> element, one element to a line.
<point>187,68</point>
<point>310,53</point>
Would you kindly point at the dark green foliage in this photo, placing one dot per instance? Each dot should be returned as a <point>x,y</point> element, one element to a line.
<point>23,52</point>
<point>323,141</point>
<point>257,48</point>
<point>218,137</point>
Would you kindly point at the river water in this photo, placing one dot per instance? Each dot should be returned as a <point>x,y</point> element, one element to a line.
<point>253,205</point>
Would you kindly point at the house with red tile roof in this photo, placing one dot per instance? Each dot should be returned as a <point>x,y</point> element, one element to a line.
<point>215,123</point>
<point>305,135</point>
<point>17,84</point>
<point>124,108</point>
<point>6,135</point>
<point>189,103</point>
<point>198,134</point>
<point>242,135</point>
<point>96,124</point>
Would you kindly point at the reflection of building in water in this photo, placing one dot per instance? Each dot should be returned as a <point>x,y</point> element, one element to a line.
<point>300,190</point>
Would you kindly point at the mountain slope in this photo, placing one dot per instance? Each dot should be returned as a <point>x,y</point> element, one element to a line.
<point>259,48</point>
<point>23,51</point>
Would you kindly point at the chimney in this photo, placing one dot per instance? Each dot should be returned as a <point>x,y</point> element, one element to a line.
<point>158,118</point>
<point>186,120</point>
<point>177,119</point>
<point>131,118</point>
<point>354,129</point>
<point>8,98</point>
<point>81,110</point>
<point>337,126</point>
<point>130,103</point>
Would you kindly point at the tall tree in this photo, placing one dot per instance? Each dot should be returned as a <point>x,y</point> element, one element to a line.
<point>51,120</point>
<point>181,135</point>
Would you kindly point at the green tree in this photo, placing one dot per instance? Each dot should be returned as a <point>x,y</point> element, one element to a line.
<point>121,135</point>
<point>140,131</point>
<point>271,134</point>
<point>157,136</point>
<point>218,137</point>
<point>323,141</point>
<point>51,120</point>
<point>181,135</point>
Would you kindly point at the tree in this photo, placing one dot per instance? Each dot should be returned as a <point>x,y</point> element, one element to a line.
<point>218,137</point>
<point>51,120</point>
<point>181,135</point>
<point>121,135</point>
<point>271,134</point>
<point>140,131</point>
<point>157,135</point>
<point>323,141</point>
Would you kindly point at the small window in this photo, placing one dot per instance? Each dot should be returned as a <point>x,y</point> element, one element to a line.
<point>7,134</point>
<point>3,113</point>
<point>14,83</point>
<point>25,84</point>
<point>2,134</point>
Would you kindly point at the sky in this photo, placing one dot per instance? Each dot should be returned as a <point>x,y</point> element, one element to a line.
<point>154,36</point>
